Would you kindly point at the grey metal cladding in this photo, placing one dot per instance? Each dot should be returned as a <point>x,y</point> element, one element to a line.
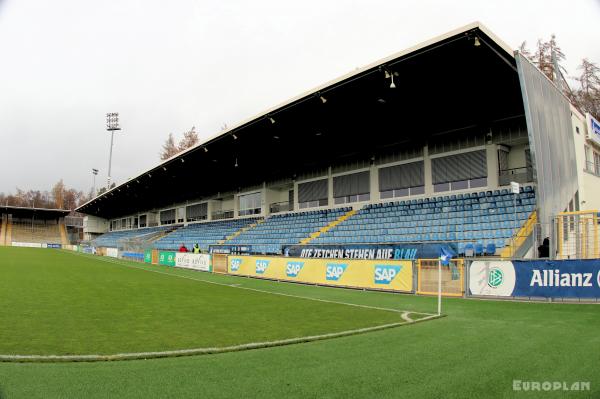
<point>551,142</point>
<point>465,166</point>
<point>197,211</point>
<point>402,176</point>
<point>312,190</point>
<point>352,184</point>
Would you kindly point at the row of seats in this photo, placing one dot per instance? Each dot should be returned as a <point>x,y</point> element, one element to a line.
<point>478,223</point>
<point>36,233</point>
<point>486,220</point>
<point>203,234</point>
<point>113,238</point>
<point>286,229</point>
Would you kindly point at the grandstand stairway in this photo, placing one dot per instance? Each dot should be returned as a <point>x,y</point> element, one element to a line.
<point>8,233</point>
<point>286,229</point>
<point>328,227</point>
<point>518,245</point>
<point>240,231</point>
<point>63,234</point>
<point>113,239</point>
<point>477,223</point>
<point>204,234</point>
<point>2,231</point>
<point>481,223</point>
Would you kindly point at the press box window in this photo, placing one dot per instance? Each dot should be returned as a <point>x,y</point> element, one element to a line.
<point>351,188</point>
<point>313,194</point>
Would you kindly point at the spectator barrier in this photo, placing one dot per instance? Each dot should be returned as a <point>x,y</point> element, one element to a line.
<point>383,274</point>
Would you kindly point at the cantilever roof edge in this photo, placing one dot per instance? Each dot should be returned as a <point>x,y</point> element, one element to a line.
<point>463,29</point>
<point>35,209</point>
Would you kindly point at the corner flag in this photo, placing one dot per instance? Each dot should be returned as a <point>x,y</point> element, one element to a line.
<point>445,256</point>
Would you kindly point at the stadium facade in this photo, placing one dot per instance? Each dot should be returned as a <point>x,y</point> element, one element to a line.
<point>438,126</point>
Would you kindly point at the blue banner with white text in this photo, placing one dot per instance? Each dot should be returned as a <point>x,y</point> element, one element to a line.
<point>558,279</point>
<point>368,251</point>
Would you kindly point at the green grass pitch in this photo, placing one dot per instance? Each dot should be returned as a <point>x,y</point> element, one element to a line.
<point>475,352</point>
<point>59,303</point>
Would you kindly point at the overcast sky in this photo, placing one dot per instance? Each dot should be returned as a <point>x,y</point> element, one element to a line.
<point>168,65</point>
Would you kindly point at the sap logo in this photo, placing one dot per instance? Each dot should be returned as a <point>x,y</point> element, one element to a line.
<point>235,264</point>
<point>335,270</point>
<point>261,265</point>
<point>293,268</point>
<point>385,274</point>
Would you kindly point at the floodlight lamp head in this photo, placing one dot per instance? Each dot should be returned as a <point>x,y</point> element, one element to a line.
<point>112,121</point>
<point>476,42</point>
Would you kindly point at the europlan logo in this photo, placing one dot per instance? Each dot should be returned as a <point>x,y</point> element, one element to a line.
<point>548,386</point>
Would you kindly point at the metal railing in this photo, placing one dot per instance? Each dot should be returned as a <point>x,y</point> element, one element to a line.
<point>73,221</point>
<point>220,215</point>
<point>593,168</point>
<point>519,175</point>
<point>577,235</point>
<point>277,207</point>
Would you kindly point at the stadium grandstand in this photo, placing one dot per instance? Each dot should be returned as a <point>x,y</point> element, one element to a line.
<point>418,148</point>
<point>33,226</point>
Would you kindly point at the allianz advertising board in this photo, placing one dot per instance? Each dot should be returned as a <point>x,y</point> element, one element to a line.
<point>536,278</point>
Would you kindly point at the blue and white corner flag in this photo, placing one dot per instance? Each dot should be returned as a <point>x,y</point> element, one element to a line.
<point>445,256</point>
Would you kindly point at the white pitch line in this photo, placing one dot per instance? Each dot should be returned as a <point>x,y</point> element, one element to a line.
<point>202,351</point>
<point>215,350</point>
<point>115,261</point>
<point>405,317</point>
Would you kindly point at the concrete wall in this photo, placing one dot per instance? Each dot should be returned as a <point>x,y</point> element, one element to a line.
<point>95,225</point>
<point>589,183</point>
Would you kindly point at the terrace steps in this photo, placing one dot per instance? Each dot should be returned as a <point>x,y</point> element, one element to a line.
<point>240,231</point>
<point>328,227</point>
<point>63,234</point>
<point>520,237</point>
<point>8,233</point>
<point>2,232</point>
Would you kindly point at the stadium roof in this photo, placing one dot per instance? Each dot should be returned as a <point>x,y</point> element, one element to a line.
<point>459,83</point>
<point>40,213</point>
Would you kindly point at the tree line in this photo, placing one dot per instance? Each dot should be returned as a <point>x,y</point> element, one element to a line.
<point>59,197</point>
<point>548,57</point>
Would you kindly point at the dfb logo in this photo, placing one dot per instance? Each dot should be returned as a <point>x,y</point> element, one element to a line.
<point>335,271</point>
<point>293,268</point>
<point>261,266</point>
<point>235,264</point>
<point>385,274</point>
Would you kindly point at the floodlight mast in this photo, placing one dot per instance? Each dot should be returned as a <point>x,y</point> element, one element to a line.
<point>112,124</point>
<point>95,173</point>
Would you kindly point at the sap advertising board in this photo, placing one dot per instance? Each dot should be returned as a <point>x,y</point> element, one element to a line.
<point>548,279</point>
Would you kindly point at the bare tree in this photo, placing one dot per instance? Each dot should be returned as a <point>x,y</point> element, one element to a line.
<point>524,50</point>
<point>588,94</point>
<point>190,139</point>
<point>58,194</point>
<point>169,148</point>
